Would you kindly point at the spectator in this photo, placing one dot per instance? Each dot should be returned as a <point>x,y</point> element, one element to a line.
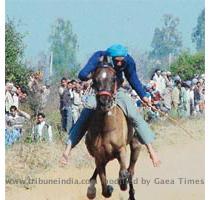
<point>177,78</point>
<point>21,93</point>
<point>63,86</point>
<point>159,80</point>
<point>15,97</point>
<point>199,92</point>
<point>155,95</point>
<point>169,80</point>
<point>14,124</point>
<point>24,94</point>
<point>76,103</point>
<point>135,98</point>
<point>66,110</point>
<point>184,102</point>
<point>175,98</point>
<point>164,80</point>
<point>42,131</point>
<point>8,97</point>
<point>187,86</point>
<point>192,102</point>
<point>197,96</point>
<point>150,114</point>
<point>167,98</point>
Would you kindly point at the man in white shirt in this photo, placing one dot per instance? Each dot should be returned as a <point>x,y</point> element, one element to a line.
<point>15,97</point>
<point>42,130</point>
<point>8,97</point>
<point>14,120</point>
<point>76,103</point>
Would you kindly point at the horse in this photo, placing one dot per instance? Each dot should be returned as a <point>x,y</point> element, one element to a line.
<point>108,135</point>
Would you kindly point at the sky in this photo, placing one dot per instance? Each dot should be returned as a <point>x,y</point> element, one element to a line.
<point>100,23</point>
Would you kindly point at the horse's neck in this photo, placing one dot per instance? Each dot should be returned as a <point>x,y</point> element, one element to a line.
<point>107,120</point>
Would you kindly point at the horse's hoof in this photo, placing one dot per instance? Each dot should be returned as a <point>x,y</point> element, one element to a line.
<point>131,195</point>
<point>123,180</point>
<point>108,192</point>
<point>123,186</point>
<point>91,192</point>
<point>131,198</point>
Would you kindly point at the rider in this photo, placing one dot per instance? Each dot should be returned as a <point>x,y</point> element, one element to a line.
<point>122,62</point>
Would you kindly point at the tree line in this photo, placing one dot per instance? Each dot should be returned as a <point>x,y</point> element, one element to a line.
<point>166,50</point>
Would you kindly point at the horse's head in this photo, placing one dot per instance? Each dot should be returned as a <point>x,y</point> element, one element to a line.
<point>105,85</point>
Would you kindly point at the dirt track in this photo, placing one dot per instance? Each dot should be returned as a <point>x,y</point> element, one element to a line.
<point>179,160</point>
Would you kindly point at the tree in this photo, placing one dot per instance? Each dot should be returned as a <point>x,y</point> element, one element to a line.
<point>42,64</point>
<point>63,44</point>
<point>198,35</point>
<point>167,40</point>
<point>187,65</point>
<point>15,70</point>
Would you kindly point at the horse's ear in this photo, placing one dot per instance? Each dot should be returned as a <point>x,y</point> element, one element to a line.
<point>108,61</point>
<point>105,59</point>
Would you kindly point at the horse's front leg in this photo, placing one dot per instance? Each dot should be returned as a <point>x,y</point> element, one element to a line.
<point>135,150</point>
<point>106,189</point>
<point>91,192</point>
<point>123,174</point>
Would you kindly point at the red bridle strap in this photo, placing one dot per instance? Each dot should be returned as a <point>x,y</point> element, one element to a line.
<point>105,93</point>
<point>109,93</point>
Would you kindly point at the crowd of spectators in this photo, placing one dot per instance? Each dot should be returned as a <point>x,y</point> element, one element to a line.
<point>15,119</point>
<point>72,93</point>
<point>167,94</point>
<point>171,95</point>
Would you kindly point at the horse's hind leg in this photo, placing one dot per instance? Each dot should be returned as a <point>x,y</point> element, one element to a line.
<point>91,192</point>
<point>135,150</point>
<point>106,189</point>
<point>123,174</point>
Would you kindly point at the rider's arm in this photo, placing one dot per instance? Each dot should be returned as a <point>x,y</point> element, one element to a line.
<point>91,65</point>
<point>131,76</point>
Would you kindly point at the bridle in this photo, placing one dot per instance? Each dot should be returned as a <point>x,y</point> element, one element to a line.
<point>105,92</point>
<point>108,93</point>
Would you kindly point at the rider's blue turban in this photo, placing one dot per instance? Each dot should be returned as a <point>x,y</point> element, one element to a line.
<point>117,50</point>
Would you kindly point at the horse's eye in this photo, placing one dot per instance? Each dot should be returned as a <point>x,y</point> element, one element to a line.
<point>94,83</point>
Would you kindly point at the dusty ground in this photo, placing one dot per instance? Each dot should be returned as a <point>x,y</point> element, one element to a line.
<point>181,156</point>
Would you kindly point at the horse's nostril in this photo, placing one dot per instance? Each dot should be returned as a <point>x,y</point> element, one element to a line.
<point>105,102</point>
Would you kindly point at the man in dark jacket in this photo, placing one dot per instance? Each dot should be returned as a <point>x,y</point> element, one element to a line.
<point>67,107</point>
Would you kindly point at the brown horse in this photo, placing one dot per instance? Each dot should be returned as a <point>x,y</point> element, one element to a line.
<point>108,135</point>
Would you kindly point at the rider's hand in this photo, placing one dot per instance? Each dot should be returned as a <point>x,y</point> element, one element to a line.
<point>145,99</point>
